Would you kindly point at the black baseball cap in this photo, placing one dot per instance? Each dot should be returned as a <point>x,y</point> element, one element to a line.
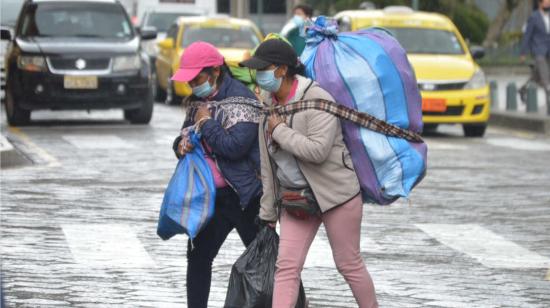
<point>273,51</point>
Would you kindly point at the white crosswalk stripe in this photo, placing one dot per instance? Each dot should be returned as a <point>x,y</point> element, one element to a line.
<point>443,146</point>
<point>490,249</point>
<point>519,144</point>
<point>97,142</point>
<point>106,246</point>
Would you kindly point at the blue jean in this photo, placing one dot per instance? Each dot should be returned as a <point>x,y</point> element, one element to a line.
<point>227,215</point>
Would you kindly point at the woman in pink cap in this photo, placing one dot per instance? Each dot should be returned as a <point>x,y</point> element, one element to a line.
<point>227,114</point>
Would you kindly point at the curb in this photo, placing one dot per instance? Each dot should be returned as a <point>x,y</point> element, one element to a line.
<point>531,122</point>
<point>507,70</point>
<point>9,156</point>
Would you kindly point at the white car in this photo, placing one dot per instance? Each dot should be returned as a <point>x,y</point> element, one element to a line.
<point>161,17</point>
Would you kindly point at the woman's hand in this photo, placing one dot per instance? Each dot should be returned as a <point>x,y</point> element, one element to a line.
<point>272,121</point>
<point>202,113</point>
<point>184,147</point>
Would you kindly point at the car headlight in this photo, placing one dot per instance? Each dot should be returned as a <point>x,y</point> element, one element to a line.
<point>32,63</point>
<point>477,81</point>
<point>151,48</point>
<point>126,63</point>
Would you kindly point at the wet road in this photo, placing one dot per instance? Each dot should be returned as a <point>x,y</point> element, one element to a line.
<point>78,228</point>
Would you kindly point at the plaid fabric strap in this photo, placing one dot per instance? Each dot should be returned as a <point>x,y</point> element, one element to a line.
<point>360,118</point>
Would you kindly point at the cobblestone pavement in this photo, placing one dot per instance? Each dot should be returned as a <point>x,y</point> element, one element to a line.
<point>78,229</point>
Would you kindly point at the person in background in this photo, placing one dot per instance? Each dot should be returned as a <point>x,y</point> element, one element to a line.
<point>536,41</point>
<point>230,141</point>
<point>305,154</point>
<point>294,31</point>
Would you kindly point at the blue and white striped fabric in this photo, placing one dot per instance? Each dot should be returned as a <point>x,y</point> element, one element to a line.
<point>369,71</point>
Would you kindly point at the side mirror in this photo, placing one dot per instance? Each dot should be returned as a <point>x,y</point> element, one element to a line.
<point>147,33</point>
<point>5,35</point>
<point>166,43</point>
<point>477,52</point>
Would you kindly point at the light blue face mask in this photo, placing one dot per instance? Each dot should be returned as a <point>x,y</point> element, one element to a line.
<point>299,21</point>
<point>203,90</point>
<point>267,80</point>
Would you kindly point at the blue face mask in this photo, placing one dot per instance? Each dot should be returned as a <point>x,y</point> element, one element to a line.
<point>298,20</point>
<point>267,81</point>
<point>203,90</point>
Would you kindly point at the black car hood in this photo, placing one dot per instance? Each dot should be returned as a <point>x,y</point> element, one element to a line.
<point>63,45</point>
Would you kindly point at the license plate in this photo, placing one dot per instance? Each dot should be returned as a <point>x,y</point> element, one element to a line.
<point>80,82</point>
<point>434,105</point>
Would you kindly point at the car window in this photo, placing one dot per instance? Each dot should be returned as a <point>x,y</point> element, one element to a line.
<point>428,41</point>
<point>223,37</point>
<point>10,11</point>
<point>70,19</point>
<point>173,32</point>
<point>162,21</point>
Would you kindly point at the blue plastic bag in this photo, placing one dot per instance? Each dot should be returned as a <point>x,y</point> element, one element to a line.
<point>188,203</point>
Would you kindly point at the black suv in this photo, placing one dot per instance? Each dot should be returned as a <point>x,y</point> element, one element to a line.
<point>77,55</point>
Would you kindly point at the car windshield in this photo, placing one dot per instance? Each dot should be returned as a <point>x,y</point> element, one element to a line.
<point>427,41</point>
<point>163,21</point>
<point>237,37</point>
<point>72,19</point>
<point>10,11</point>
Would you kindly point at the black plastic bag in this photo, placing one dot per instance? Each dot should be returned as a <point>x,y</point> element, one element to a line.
<point>252,275</point>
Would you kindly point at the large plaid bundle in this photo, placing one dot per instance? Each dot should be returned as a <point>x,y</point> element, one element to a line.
<point>368,71</point>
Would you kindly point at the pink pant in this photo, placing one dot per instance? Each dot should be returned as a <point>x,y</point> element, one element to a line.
<point>343,226</point>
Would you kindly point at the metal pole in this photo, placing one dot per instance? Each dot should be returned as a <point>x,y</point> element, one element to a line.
<point>511,97</point>
<point>494,93</point>
<point>415,5</point>
<point>532,101</point>
<point>260,7</point>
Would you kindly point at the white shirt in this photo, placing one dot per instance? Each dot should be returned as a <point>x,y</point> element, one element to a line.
<point>546,19</point>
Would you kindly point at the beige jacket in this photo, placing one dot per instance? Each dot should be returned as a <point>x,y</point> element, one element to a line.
<point>315,139</point>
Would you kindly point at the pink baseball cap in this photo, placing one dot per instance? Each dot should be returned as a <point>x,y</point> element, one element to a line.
<point>196,57</point>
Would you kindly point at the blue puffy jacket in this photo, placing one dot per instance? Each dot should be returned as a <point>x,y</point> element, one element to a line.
<point>236,150</point>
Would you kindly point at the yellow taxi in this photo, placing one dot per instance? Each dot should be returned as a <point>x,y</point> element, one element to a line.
<point>453,87</point>
<point>233,37</point>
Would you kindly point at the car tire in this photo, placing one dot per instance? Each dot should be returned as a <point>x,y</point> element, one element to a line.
<point>474,130</point>
<point>430,128</point>
<point>141,115</point>
<point>15,115</point>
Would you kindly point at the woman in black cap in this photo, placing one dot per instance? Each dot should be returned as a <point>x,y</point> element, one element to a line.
<point>304,157</point>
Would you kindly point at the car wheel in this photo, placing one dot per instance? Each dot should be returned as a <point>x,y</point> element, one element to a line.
<point>141,115</point>
<point>430,128</point>
<point>474,130</point>
<point>158,93</point>
<point>16,116</point>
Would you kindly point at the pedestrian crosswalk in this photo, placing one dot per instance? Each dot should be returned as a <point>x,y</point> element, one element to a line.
<point>106,142</point>
<point>117,246</point>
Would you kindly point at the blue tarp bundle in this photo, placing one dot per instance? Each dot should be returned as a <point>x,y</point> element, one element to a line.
<point>368,71</point>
